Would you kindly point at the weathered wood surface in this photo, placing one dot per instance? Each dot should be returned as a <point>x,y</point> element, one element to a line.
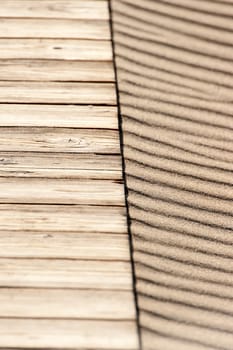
<point>65,266</point>
<point>55,165</point>
<point>61,191</point>
<point>57,49</point>
<point>72,334</point>
<point>60,116</point>
<point>57,92</point>
<point>52,303</point>
<point>67,245</point>
<point>44,70</point>
<point>54,28</point>
<point>64,140</point>
<point>65,273</point>
<point>78,9</point>
<point>75,218</point>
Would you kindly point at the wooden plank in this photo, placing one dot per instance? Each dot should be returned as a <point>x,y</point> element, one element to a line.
<point>55,92</point>
<point>60,116</point>
<point>52,303</point>
<point>55,218</point>
<point>58,273</point>
<point>59,140</point>
<point>56,71</point>
<point>77,9</point>
<point>92,246</point>
<point>54,28</point>
<point>75,334</point>
<point>56,49</point>
<point>61,191</point>
<point>55,165</point>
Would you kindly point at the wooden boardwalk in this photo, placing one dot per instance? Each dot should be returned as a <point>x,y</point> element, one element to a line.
<point>65,269</point>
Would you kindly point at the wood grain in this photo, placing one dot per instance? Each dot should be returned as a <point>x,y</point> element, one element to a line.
<point>61,191</point>
<point>47,218</point>
<point>53,92</point>
<point>79,9</point>
<point>56,165</point>
<point>56,71</point>
<point>52,304</point>
<point>59,140</point>
<point>54,28</point>
<point>60,116</point>
<point>56,49</point>
<point>65,266</point>
<point>59,273</point>
<point>68,245</point>
<point>75,334</point>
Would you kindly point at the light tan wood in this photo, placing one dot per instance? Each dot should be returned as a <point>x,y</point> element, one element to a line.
<point>56,71</point>
<point>60,116</point>
<point>50,218</point>
<point>58,273</point>
<point>65,266</point>
<point>59,140</point>
<point>78,9</point>
<point>56,165</point>
<point>75,334</point>
<point>54,28</point>
<point>56,49</point>
<point>61,191</point>
<point>40,92</point>
<point>68,245</point>
<point>52,303</point>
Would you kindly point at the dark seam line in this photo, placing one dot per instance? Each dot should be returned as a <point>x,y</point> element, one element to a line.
<point>180,339</point>
<point>159,124</point>
<point>144,75</point>
<point>179,18</point>
<point>175,231</point>
<point>184,148</point>
<point>184,276</point>
<point>179,148</point>
<point>169,71</point>
<point>162,156</point>
<point>173,46</point>
<point>176,287</point>
<point>186,118</point>
<point>159,241</point>
<point>187,262</point>
<point>176,320</point>
<point>193,9</point>
<point>177,172</point>
<point>131,248</point>
<point>180,203</point>
<point>193,50</point>
<point>159,14</point>
<point>70,103</point>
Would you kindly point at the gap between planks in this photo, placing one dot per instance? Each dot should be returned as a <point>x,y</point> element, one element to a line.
<point>63,166</point>
<point>61,191</point>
